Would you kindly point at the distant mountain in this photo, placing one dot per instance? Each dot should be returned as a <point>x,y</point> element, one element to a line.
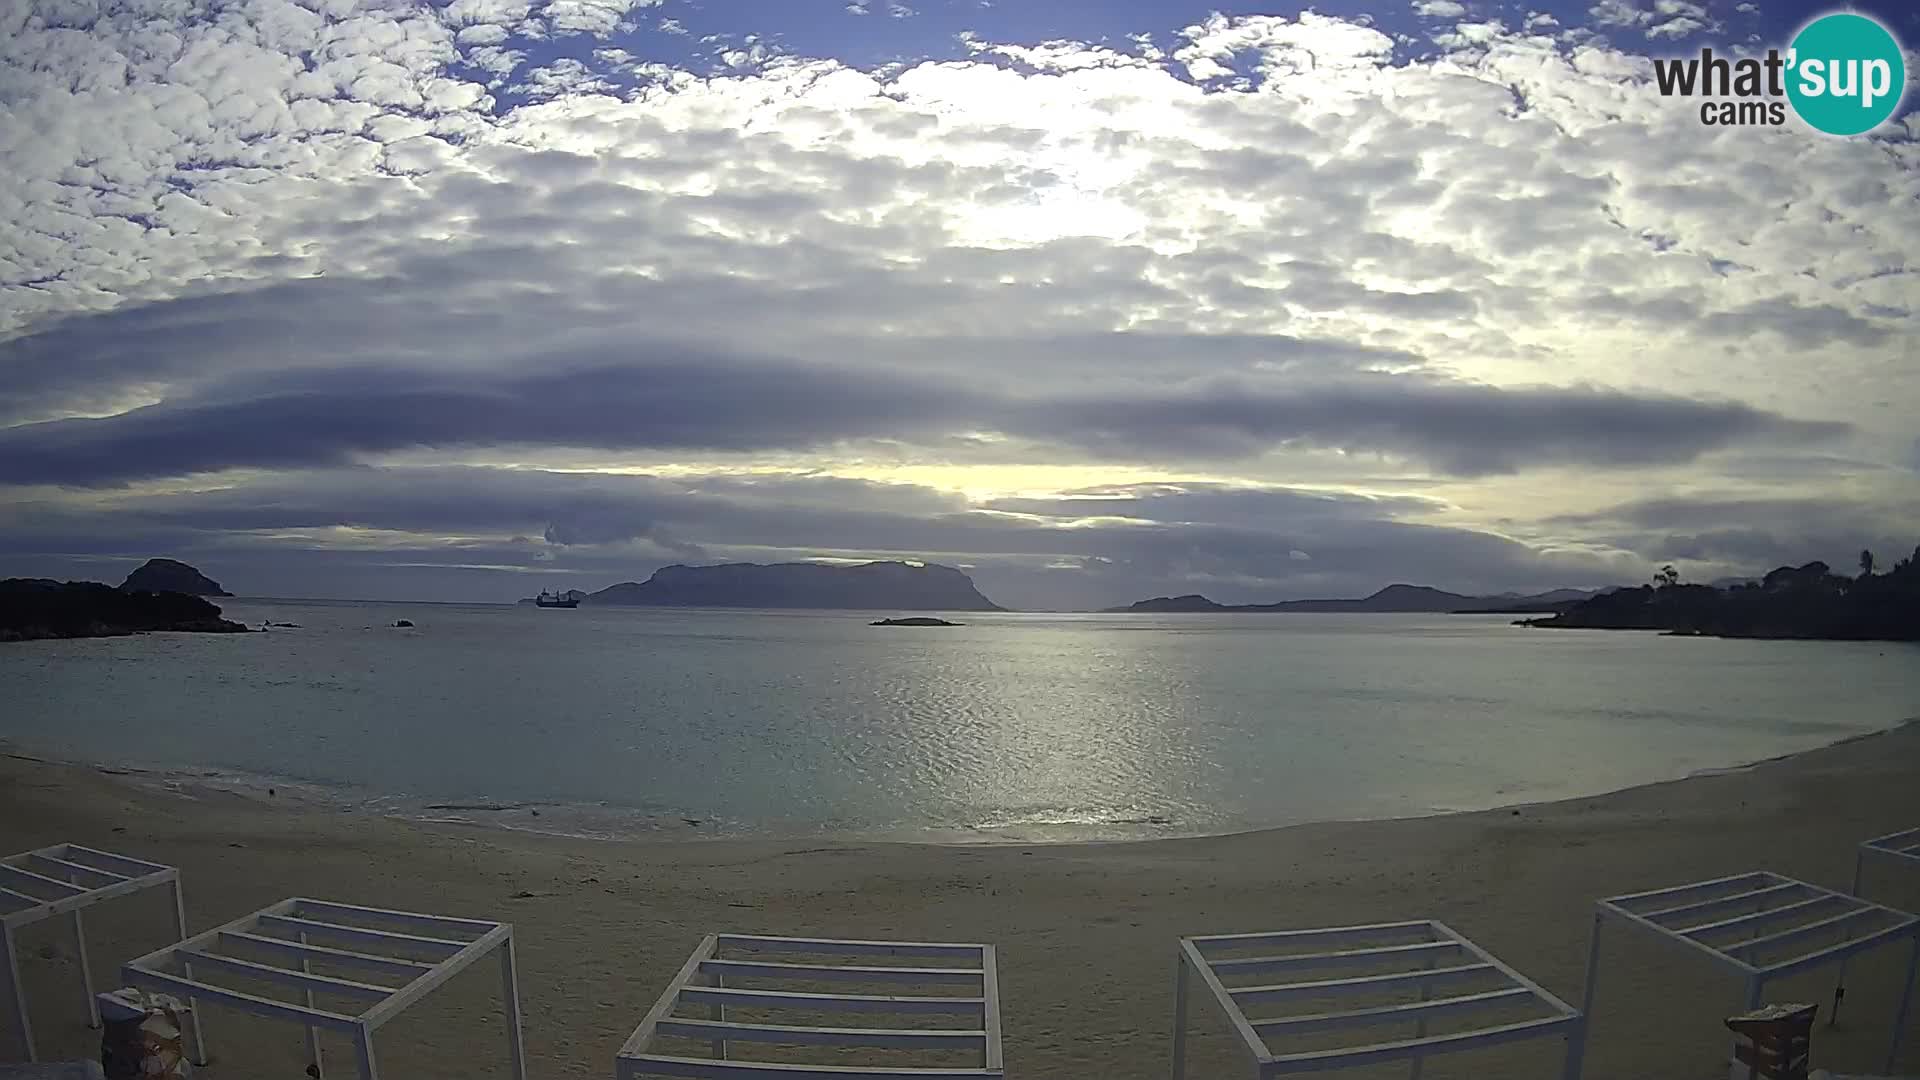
<point>1404,599</point>
<point>32,608</point>
<point>168,575</point>
<point>874,586</point>
<point>1552,596</point>
<point>1547,603</point>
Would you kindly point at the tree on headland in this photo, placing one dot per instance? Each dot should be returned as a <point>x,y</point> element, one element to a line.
<point>1805,601</point>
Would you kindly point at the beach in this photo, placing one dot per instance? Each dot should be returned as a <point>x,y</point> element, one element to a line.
<point>1086,932</point>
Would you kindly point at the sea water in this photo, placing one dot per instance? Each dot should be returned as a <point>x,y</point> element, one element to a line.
<point>1013,726</point>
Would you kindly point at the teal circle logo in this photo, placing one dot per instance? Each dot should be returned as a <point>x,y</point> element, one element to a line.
<point>1845,74</point>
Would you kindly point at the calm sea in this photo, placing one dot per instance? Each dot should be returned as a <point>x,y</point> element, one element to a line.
<point>1012,726</point>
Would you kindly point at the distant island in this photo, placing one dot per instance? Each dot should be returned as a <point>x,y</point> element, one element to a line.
<point>36,608</point>
<point>1808,601</point>
<point>918,620</point>
<point>900,586</point>
<point>170,575</point>
<point>1400,599</point>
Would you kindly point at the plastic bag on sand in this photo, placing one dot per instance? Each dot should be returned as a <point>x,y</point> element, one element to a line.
<point>142,1036</point>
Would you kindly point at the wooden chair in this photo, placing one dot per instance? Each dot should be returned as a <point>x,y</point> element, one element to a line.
<point>1778,1041</point>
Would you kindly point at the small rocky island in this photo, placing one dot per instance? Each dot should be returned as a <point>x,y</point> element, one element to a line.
<point>171,575</point>
<point>917,620</point>
<point>35,608</point>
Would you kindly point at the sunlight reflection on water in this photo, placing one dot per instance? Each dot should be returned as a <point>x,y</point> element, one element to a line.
<point>1014,726</point>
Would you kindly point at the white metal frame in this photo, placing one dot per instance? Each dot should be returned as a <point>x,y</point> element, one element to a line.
<point>1424,954</point>
<point>1900,846</point>
<point>711,977</point>
<point>63,880</point>
<point>1731,919</point>
<point>423,950</point>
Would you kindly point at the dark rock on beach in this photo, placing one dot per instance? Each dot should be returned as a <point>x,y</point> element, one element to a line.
<point>33,608</point>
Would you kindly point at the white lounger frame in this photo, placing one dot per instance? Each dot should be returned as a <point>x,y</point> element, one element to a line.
<point>1725,918</point>
<point>1430,954</point>
<point>353,936</point>
<point>62,880</point>
<point>703,981</point>
<point>1903,846</point>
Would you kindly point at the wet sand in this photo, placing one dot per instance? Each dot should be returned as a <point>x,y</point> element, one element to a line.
<point>1086,932</point>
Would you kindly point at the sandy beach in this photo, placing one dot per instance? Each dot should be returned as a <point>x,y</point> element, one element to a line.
<point>1086,932</point>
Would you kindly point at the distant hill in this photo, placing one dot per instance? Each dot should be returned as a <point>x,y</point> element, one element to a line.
<point>169,575</point>
<point>32,608</point>
<point>1808,601</point>
<point>1403,599</point>
<point>873,586</point>
<point>1547,603</point>
<point>1170,604</point>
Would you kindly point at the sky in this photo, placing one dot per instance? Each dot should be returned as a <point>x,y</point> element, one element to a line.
<point>463,300</point>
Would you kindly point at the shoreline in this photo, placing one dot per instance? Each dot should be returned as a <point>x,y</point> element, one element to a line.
<point>1086,930</point>
<point>571,821</point>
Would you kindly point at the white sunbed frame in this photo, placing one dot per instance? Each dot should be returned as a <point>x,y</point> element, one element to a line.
<point>702,980</point>
<point>451,944</point>
<point>1428,943</point>
<point>1701,916</point>
<point>1903,846</point>
<point>63,880</point>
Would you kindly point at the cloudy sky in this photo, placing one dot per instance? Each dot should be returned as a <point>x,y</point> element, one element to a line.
<point>459,300</point>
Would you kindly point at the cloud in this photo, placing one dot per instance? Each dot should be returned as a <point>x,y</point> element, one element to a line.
<point>1276,45</point>
<point>282,239</point>
<point>1458,428</point>
<point>1619,13</point>
<point>1798,325</point>
<point>1719,533</point>
<point>677,402</point>
<point>662,397</point>
<point>1676,28</point>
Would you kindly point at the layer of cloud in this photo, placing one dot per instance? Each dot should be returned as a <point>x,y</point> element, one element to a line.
<point>667,399</point>
<point>280,238</point>
<point>1718,533</point>
<point>1080,548</point>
